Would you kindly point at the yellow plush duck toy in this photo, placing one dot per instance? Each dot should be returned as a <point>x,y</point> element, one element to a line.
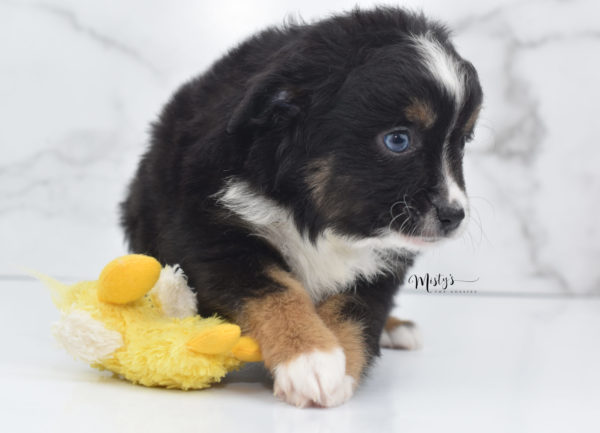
<point>139,321</point>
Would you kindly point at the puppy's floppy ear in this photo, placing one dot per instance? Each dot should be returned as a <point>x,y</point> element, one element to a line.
<point>268,100</point>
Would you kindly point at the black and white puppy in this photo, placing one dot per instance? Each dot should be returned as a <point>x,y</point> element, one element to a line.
<point>296,180</point>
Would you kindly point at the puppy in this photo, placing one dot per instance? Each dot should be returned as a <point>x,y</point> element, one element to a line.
<point>296,180</point>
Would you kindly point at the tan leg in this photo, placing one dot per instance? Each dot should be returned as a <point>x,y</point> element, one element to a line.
<point>304,355</point>
<point>348,332</point>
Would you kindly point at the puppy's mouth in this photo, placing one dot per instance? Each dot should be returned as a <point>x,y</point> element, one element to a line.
<point>419,228</point>
<point>421,241</point>
<point>426,231</point>
<point>425,240</point>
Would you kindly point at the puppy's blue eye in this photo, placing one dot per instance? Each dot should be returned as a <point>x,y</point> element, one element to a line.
<point>397,141</point>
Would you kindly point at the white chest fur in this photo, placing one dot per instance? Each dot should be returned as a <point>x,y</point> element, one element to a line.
<point>325,267</point>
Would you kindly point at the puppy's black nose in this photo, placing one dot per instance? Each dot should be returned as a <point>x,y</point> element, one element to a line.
<point>450,216</point>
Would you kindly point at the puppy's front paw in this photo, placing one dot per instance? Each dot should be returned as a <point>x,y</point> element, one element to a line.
<point>401,334</point>
<point>316,378</point>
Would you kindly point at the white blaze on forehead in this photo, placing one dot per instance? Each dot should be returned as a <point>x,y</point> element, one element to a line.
<point>442,65</point>
<point>445,68</point>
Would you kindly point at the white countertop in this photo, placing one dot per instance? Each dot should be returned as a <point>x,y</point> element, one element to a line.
<point>489,364</point>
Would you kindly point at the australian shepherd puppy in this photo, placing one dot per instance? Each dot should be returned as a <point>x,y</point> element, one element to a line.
<point>296,179</point>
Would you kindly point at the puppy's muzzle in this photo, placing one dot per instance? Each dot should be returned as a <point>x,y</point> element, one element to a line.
<point>449,216</point>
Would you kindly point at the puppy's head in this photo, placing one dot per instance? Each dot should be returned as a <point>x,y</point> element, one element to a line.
<point>360,127</point>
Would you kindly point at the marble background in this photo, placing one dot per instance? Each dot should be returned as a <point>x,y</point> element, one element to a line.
<point>81,80</point>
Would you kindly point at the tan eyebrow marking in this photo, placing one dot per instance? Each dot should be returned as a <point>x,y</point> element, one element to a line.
<point>420,112</point>
<point>472,120</point>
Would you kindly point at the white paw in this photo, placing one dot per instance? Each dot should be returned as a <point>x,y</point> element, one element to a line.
<point>317,378</point>
<point>405,336</point>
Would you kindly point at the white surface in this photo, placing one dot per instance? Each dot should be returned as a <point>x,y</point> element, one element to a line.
<point>81,80</point>
<point>488,365</point>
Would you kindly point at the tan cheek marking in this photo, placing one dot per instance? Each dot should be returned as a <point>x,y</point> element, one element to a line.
<point>472,120</point>
<point>420,112</point>
<point>348,332</point>
<point>285,323</point>
<point>317,180</point>
<point>324,189</point>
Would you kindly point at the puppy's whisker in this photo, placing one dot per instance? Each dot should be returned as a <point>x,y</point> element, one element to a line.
<point>394,219</point>
<point>406,206</point>
<point>470,236</point>
<point>404,223</point>
<point>394,205</point>
<point>485,200</point>
<point>477,220</point>
<point>407,211</point>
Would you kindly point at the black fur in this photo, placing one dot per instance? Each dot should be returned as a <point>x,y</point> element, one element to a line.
<point>263,113</point>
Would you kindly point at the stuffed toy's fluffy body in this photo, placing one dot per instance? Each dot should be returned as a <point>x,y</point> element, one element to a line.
<point>139,321</point>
